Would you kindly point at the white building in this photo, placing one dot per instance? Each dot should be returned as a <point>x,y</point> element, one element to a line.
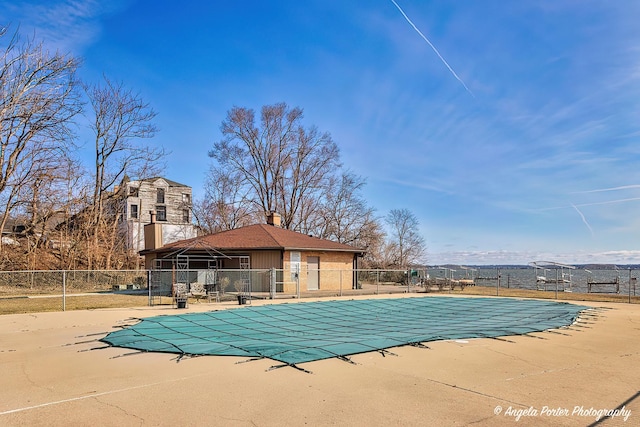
<point>169,200</point>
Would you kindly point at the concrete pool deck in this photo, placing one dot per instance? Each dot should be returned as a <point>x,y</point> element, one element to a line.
<point>50,376</point>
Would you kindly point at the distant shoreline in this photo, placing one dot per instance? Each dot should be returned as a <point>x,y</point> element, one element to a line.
<point>524,266</point>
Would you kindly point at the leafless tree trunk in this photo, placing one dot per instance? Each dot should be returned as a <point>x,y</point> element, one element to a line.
<point>38,101</point>
<point>407,244</point>
<point>69,233</point>
<point>43,206</point>
<point>225,205</point>
<point>120,118</point>
<point>282,165</point>
<point>345,217</point>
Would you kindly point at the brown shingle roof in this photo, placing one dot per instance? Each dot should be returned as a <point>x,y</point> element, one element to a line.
<point>258,236</point>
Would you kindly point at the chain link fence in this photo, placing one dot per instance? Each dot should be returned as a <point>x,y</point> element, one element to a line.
<point>33,291</point>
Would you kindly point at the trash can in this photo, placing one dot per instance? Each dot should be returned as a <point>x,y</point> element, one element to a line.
<point>181,303</point>
<point>242,299</point>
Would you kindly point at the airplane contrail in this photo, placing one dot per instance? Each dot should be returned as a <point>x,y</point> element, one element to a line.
<point>601,190</point>
<point>432,47</point>
<point>607,202</point>
<point>583,218</point>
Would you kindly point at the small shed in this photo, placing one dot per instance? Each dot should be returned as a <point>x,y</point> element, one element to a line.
<point>301,260</point>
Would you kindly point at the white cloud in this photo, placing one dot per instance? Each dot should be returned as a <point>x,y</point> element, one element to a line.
<point>67,25</point>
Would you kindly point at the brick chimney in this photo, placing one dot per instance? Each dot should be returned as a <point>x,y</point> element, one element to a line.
<point>274,219</point>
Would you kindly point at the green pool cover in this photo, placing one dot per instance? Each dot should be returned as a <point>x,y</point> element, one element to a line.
<point>304,332</point>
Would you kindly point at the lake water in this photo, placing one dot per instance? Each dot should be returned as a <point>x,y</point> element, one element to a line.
<point>569,280</point>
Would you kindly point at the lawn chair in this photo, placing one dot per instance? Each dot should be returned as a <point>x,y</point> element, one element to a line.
<point>198,291</point>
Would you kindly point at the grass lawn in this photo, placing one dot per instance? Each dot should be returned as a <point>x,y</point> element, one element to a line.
<point>527,293</point>
<point>14,305</point>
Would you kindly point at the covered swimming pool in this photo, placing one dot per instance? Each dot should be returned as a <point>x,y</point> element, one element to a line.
<point>294,333</point>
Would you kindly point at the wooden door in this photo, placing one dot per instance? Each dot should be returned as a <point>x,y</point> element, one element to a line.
<point>313,273</point>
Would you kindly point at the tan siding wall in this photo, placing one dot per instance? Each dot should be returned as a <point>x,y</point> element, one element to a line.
<point>266,259</point>
<point>149,261</point>
<point>332,271</point>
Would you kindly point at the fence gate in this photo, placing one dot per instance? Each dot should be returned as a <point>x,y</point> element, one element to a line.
<point>155,284</point>
<point>211,277</point>
<point>182,269</point>
<point>245,276</point>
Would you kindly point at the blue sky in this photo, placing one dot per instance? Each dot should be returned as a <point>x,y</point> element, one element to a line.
<point>520,142</point>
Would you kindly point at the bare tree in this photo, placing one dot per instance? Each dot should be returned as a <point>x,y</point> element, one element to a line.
<point>225,205</point>
<point>74,190</point>
<point>120,119</point>
<point>345,217</point>
<point>282,166</point>
<point>38,100</point>
<point>406,246</point>
<point>43,207</point>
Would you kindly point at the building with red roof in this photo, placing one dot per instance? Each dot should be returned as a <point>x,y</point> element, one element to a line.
<point>301,260</point>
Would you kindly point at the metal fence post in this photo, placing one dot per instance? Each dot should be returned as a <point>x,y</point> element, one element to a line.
<point>629,285</point>
<point>272,283</point>
<point>64,290</point>
<point>408,281</point>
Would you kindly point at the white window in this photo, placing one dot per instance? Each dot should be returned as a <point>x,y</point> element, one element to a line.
<point>161,213</point>
<point>134,211</point>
